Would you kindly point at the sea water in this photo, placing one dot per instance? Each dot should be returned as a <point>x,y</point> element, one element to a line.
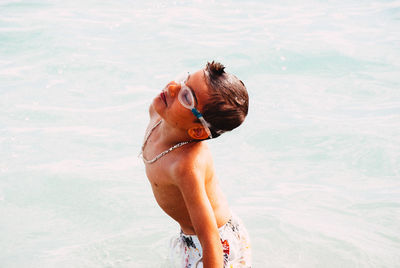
<point>313,172</point>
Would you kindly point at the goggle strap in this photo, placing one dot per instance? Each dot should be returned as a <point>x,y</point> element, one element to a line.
<point>203,121</point>
<point>196,113</point>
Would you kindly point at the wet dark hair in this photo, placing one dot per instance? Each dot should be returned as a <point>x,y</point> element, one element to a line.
<point>228,103</point>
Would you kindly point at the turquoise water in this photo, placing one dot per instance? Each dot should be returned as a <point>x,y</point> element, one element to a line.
<point>314,172</point>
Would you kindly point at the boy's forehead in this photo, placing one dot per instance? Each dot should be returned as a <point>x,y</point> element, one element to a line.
<point>198,80</point>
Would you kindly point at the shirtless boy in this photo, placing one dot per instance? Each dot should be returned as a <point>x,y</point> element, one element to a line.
<point>179,165</point>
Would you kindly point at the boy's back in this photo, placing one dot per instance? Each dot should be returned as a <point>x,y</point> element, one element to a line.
<point>180,169</point>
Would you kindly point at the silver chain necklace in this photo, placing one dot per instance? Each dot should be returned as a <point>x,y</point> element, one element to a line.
<point>162,153</point>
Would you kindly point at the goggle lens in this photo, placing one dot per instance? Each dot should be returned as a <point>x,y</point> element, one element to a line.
<point>182,77</point>
<point>185,97</point>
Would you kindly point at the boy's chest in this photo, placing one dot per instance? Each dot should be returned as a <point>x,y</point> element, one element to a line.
<point>166,193</point>
<point>158,175</point>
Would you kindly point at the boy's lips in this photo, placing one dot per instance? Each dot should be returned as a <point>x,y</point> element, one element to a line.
<point>163,97</point>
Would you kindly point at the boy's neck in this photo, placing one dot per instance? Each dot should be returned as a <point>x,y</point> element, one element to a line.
<point>170,135</point>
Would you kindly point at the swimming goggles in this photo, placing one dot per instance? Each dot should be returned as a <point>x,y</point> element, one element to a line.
<point>187,99</point>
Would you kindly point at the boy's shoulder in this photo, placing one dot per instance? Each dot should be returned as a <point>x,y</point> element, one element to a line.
<point>193,161</point>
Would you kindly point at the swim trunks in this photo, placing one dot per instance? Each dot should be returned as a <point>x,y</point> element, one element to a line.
<point>186,250</point>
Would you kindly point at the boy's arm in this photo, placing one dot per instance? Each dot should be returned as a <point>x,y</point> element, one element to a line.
<point>192,186</point>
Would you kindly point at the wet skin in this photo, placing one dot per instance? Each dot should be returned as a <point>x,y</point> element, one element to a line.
<point>183,181</point>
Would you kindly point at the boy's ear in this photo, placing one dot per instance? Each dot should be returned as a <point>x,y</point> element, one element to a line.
<point>198,133</point>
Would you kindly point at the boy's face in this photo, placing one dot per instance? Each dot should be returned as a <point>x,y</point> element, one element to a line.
<point>171,110</point>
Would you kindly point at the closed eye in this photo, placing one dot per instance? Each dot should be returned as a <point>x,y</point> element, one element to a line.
<point>187,98</point>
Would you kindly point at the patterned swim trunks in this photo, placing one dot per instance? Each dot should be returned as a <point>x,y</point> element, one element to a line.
<point>186,250</point>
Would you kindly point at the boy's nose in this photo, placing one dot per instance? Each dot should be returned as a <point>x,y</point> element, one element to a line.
<point>172,88</point>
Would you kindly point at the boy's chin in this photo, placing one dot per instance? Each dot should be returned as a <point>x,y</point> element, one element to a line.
<point>158,108</point>
<point>157,104</point>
